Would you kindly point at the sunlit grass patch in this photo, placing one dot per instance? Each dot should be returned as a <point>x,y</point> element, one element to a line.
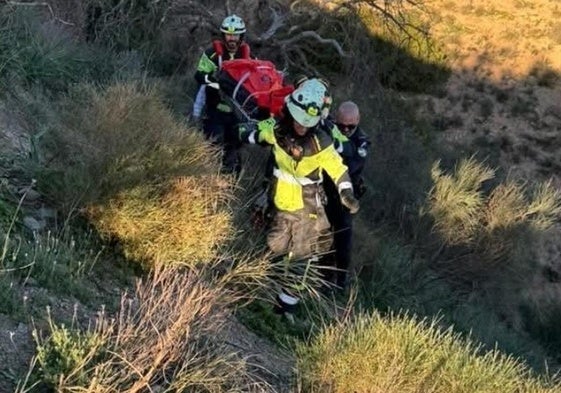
<point>456,201</point>
<point>371,353</point>
<point>181,222</point>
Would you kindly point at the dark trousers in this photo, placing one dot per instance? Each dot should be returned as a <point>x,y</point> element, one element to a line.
<point>341,221</point>
<point>221,128</point>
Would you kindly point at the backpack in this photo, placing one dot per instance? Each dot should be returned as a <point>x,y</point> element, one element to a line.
<point>255,87</point>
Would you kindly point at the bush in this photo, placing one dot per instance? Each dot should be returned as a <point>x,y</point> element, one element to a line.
<point>370,353</point>
<point>41,53</point>
<point>140,175</point>
<point>180,222</point>
<point>67,355</point>
<point>464,215</point>
<point>456,202</point>
<point>108,140</point>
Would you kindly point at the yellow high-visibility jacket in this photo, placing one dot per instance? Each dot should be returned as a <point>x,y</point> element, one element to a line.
<point>293,172</point>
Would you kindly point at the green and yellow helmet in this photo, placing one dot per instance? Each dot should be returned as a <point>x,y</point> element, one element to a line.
<point>306,103</point>
<point>233,24</point>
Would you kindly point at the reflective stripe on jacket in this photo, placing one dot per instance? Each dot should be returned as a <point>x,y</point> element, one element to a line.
<point>290,174</point>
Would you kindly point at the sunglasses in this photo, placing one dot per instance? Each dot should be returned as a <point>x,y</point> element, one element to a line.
<point>343,127</point>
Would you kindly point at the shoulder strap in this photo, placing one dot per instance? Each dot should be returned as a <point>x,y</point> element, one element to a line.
<point>218,47</point>
<point>245,51</point>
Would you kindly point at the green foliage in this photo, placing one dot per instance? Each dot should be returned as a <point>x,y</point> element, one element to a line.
<point>106,141</point>
<point>68,355</point>
<point>60,262</point>
<point>36,53</point>
<point>259,316</point>
<point>371,353</point>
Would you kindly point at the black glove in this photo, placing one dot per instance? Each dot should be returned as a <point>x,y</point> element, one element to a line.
<point>359,188</point>
<point>349,201</point>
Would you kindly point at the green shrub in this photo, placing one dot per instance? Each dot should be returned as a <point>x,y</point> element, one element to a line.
<point>33,52</point>
<point>371,353</point>
<point>141,176</point>
<point>66,357</point>
<point>106,141</point>
<point>181,222</point>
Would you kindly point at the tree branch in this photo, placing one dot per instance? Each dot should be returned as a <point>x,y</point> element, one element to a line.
<point>312,34</point>
<point>277,23</point>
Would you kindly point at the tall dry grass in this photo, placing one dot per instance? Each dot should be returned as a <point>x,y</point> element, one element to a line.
<point>165,337</point>
<point>496,223</point>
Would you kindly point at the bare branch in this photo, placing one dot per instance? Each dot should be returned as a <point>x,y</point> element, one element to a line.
<point>388,14</point>
<point>277,23</point>
<point>312,34</point>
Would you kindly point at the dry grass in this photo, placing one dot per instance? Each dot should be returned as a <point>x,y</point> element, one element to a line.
<point>375,354</point>
<point>462,212</point>
<point>163,338</point>
<point>456,201</point>
<point>495,26</point>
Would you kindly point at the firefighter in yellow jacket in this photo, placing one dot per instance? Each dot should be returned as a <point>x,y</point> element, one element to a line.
<point>302,152</point>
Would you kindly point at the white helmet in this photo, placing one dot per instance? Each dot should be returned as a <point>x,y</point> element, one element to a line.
<point>233,24</point>
<point>306,102</point>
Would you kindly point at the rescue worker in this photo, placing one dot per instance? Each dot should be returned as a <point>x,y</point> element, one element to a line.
<point>303,151</point>
<point>352,144</point>
<point>219,122</point>
<point>261,209</point>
